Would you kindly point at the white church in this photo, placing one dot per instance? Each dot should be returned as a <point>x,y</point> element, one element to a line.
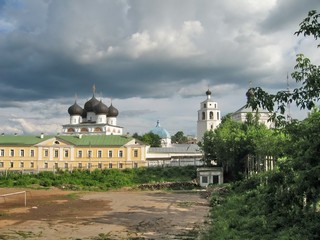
<point>94,118</point>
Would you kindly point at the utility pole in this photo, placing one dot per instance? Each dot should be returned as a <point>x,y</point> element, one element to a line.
<point>288,103</point>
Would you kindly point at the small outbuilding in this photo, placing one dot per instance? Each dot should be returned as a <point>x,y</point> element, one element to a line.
<point>209,175</point>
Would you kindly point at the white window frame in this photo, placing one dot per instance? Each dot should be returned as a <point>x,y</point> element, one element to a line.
<point>120,153</point>
<point>110,154</point>
<point>66,153</point>
<point>80,154</point>
<point>99,154</point>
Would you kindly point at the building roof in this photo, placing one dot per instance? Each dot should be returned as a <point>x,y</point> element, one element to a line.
<point>21,139</point>
<point>84,140</point>
<point>96,140</point>
<point>246,109</point>
<point>176,148</point>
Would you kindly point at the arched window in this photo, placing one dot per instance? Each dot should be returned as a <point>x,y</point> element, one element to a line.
<point>70,130</point>
<point>84,130</point>
<point>211,115</point>
<point>97,129</point>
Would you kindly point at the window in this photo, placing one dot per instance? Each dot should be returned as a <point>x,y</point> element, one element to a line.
<point>211,115</point>
<point>204,179</point>
<point>56,153</point>
<point>135,165</point>
<point>66,166</point>
<point>11,164</point>
<point>66,153</point>
<point>110,153</point>
<point>218,116</point>
<point>89,153</point>
<point>110,165</point>
<point>1,164</point>
<point>45,165</point>
<point>80,154</point>
<point>89,165</point>
<point>204,105</point>
<point>79,165</point>
<point>11,152</point>
<point>99,165</point>
<point>21,164</point>
<point>46,152</point>
<point>203,116</point>
<point>135,153</point>
<point>56,166</point>
<point>21,152</point>
<point>120,153</point>
<point>31,164</point>
<point>2,152</point>
<point>31,153</point>
<point>120,165</point>
<point>99,154</point>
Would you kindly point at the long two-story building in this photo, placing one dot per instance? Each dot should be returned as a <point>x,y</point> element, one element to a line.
<point>47,153</point>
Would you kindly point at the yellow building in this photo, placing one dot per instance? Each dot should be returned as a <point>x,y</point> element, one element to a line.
<point>68,152</point>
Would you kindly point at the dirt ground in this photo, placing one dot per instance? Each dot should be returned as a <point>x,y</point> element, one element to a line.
<point>57,214</point>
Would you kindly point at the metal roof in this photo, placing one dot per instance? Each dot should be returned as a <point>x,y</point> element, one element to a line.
<point>84,140</point>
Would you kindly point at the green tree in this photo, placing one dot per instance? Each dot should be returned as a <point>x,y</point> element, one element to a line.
<point>306,74</point>
<point>232,142</point>
<point>149,138</point>
<point>152,139</point>
<point>302,150</point>
<point>179,138</point>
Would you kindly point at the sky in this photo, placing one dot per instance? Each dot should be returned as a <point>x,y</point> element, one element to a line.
<point>154,60</point>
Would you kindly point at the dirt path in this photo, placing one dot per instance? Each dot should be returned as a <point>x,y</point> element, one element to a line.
<point>56,214</point>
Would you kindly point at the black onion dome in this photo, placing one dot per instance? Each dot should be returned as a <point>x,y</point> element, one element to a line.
<point>113,112</point>
<point>75,109</point>
<point>89,105</point>
<point>208,92</point>
<point>84,114</point>
<point>100,108</point>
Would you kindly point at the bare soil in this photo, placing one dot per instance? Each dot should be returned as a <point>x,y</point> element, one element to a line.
<point>57,214</point>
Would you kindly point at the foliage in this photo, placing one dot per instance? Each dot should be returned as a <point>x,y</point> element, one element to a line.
<point>306,74</point>
<point>179,138</point>
<point>262,208</point>
<point>232,141</point>
<point>149,138</point>
<point>284,203</point>
<point>104,179</point>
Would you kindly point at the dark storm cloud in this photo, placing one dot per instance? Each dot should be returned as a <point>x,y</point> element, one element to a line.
<point>288,14</point>
<point>150,52</point>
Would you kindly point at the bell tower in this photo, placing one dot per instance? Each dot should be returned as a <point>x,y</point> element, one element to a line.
<point>209,116</point>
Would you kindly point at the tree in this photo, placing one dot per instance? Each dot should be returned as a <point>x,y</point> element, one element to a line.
<point>303,147</point>
<point>152,139</point>
<point>232,142</point>
<point>306,73</point>
<point>179,138</point>
<point>149,138</point>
